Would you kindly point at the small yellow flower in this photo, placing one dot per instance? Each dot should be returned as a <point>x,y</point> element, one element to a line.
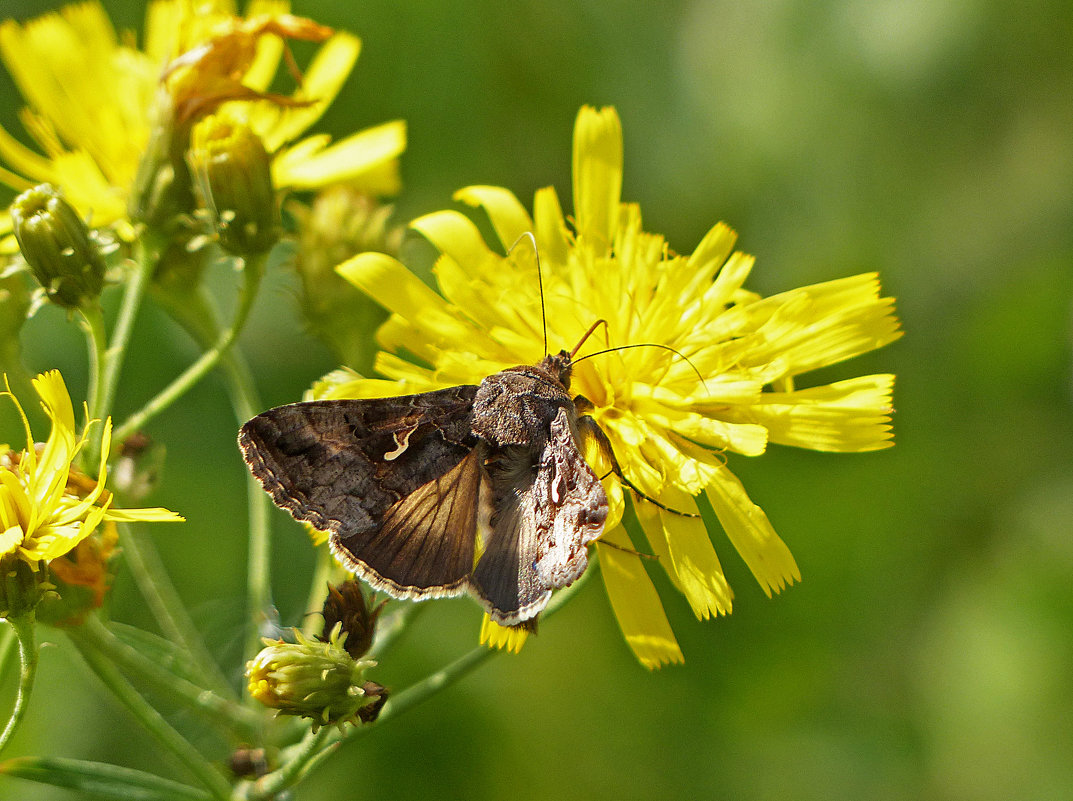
<point>94,99</point>
<point>671,416</point>
<point>46,506</point>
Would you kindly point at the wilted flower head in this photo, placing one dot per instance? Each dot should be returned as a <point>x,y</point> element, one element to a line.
<point>721,377</point>
<point>47,507</point>
<point>348,617</point>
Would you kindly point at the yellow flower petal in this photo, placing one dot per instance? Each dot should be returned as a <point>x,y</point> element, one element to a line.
<point>749,530</point>
<point>321,83</point>
<point>153,514</point>
<point>636,604</point>
<point>397,289</point>
<point>691,559</point>
<point>10,540</point>
<point>34,166</point>
<point>502,637</point>
<point>597,175</point>
<point>349,159</point>
<point>455,235</point>
<point>848,416</point>
<point>550,226</point>
<point>507,214</point>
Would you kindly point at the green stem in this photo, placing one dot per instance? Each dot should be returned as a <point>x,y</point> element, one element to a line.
<point>152,720</point>
<point>97,340</point>
<point>322,573</point>
<point>168,609</point>
<point>388,631</point>
<point>298,761</point>
<point>194,312</point>
<point>149,248</point>
<point>252,273</point>
<point>240,722</point>
<point>24,628</point>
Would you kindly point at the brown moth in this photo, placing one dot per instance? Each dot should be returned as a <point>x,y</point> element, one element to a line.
<point>471,489</point>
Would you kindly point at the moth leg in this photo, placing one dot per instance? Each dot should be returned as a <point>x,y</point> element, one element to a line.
<point>631,551</point>
<point>588,427</point>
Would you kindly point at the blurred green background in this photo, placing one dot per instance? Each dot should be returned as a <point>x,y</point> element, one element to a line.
<point>928,653</point>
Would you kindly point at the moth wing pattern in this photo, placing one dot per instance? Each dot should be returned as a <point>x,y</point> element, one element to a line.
<point>466,489</point>
<point>545,512</point>
<point>395,482</point>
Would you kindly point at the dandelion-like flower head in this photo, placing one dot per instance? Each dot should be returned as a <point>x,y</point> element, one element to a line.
<point>721,377</point>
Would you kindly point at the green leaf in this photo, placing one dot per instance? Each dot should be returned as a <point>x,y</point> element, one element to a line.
<point>99,780</point>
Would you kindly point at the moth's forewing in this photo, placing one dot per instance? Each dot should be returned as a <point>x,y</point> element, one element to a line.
<point>547,504</point>
<point>573,504</point>
<point>425,544</point>
<point>505,579</point>
<point>347,466</point>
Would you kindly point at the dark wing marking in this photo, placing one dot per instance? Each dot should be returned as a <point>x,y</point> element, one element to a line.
<point>342,465</point>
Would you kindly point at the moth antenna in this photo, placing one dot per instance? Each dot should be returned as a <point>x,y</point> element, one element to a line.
<point>624,549</point>
<point>589,426</point>
<point>586,335</point>
<point>675,351</point>
<point>540,281</point>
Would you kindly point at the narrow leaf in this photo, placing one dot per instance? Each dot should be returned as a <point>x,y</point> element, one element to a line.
<point>100,780</point>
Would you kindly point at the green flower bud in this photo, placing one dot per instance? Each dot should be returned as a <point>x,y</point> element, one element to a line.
<point>57,247</point>
<point>340,223</point>
<point>315,680</point>
<point>162,195</point>
<point>233,173</point>
<point>21,586</point>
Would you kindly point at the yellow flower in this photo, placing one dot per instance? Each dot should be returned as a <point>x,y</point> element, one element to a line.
<point>94,99</point>
<point>46,506</point>
<point>727,385</point>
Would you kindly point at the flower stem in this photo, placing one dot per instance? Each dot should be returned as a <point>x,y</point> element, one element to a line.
<point>149,248</point>
<point>241,723</point>
<point>168,609</point>
<point>322,572</point>
<point>252,273</point>
<point>152,720</point>
<point>24,628</point>
<point>97,340</point>
<point>194,312</point>
<point>298,761</point>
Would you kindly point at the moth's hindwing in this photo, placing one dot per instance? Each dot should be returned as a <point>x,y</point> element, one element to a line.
<point>395,482</point>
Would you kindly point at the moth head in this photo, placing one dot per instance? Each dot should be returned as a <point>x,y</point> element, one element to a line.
<point>558,366</point>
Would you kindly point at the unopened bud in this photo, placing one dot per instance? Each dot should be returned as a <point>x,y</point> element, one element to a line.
<point>233,173</point>
<point>315,680</point>
<point>346,607</point>
<point>57,247</point>
<point>340,223</point>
